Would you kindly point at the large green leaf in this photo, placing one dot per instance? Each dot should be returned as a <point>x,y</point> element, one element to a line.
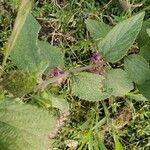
<point>51,54</point>
<point>32,55</point>
<point>23,12</point>
<point>117,42</point>
<point>119,82</point>
<point>97,29</point>
<point>144,88</point>
<point>25,53</point>
<point>137,68</point>
<point>24,127</point>
<point>88,86</point>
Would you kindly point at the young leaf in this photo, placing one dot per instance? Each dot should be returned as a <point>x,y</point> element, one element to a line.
<point>137,68</point>
<point>88,86</point>
<point>119,82</point>
<point>144,89</point>
<point>97,29</point>
<point>137,97</point>
<point>24,126</point>
<point>52,55</point>
<point>117,42</point>
<point>118,145</point>
<point>59,103</point>
<point>19,23</point>
<point>25,53</point>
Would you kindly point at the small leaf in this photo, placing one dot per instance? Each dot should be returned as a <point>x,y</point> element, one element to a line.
<point>53,56</point>
<point>97,29</point>
<point>147,130</point>
<point>119,82</point>
<point>144,89</point>
<point>88,86</point>
<point>24,126</point>
<point>59,103</point>
<point>117,42</point>
<point>47,100</point>
<point>118,145</point>
<point>137,68</point>
<point>137,97</point>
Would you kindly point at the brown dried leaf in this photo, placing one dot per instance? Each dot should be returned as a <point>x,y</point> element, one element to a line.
<point>122,118</point>
<point>124,4</point>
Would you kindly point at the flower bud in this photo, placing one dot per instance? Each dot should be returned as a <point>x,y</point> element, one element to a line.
<point>57,72</point>
<point>96,57</point>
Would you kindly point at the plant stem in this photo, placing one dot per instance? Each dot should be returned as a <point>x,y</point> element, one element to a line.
<point>66,74</point>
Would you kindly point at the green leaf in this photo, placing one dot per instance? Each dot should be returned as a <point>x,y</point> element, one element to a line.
<point>59,103</point>
<point>19,83</point>
<point>137,68</point>
<point>98,30</point>
<point>119,82</point>
<point>147,130</point>
<point>47,100</point>
<point>23,12</point>
<point>144,89</point>
<point>25,53</point>
<point>88,86</point>
<point>143,37</point>
<point>144,40</point>
<point>30,54</point>
<point>148,31</point>
<point>117,42</point>
<point>24,126</point>
<point>118,145</point>
<point>137,97</point>
<point>51,54</point>
<point>145,51</point>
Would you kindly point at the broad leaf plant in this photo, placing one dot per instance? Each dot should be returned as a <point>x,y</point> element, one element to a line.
<point>39,65</point>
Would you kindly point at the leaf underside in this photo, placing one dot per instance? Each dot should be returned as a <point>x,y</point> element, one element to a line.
<point>24,126</point>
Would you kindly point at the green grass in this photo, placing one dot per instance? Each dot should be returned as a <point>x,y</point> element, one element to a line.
<point>63,25</point>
